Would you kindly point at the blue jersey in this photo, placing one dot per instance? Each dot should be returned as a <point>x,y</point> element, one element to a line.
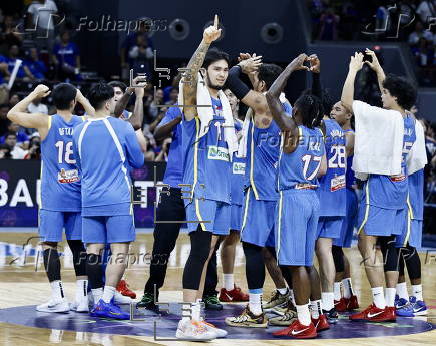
<point>416,194</point>
<point>238,173</point>
<point>350,178</point>
<point>391,192</point>
<point>331,191</point>
<point>206,163</point>
<point>104,148</point>
<point>60,179</point>
<point>174,170</point>
<point>302,165</point>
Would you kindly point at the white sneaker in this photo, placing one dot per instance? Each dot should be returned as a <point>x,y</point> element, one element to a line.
<point>220,333</point>
<point>120,299</point>
<point>54,305</point>
<point>192,330</point>
<point>81,305</point>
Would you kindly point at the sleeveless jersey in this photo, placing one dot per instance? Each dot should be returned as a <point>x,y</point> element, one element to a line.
<point>391,192</point>
<point>331,191</point>
<point>238,173</point>
<point>350,178</point>
<point>302,165</point>
<point>60,180</point>
<point>207,164</point>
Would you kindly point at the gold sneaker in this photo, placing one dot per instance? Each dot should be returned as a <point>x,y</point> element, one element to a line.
<point>248,319</point>
<point>285,320</point>
<point>276,299</point>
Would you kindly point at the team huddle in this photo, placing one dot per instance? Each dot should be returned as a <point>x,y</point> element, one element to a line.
<point>283,182</point>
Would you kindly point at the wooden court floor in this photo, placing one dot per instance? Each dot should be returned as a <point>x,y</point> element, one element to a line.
<point>21,285</point>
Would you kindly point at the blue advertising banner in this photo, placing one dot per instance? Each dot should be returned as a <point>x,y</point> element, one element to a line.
<point>20,192</point>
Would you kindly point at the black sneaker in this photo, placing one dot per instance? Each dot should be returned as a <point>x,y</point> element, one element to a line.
<point>212,303</point>
<point>332,316</point>
<point>147,302</point>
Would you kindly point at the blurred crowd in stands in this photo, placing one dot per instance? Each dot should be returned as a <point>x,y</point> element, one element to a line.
<point>410,21</point>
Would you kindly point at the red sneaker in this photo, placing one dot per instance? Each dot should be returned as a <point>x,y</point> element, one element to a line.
<point>321,323</point>
<point>298,331</point>
<point>341,305</point>
<point>235,295</point>
<point>352,303</point>
<point>124,289</point>
<point>373,314</point>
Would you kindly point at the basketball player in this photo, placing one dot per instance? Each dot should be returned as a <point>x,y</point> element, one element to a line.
<point>208,143</point>
<point>408,242</point>
<point>230,292</point>
<point>348,301</point>
<point>262,138</point>
<point>302,161</point>
<point>382,211</point>
<point>60,189</point>
<point>107,213</point>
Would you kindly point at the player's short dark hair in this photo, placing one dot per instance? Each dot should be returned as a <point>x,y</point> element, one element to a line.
<point>99,94</point>
<point>402,89</point>
<point>62,95</point>
<point>118,84</point>
<point>311,110</point>
<point>10,134</point>
<point>269,73</point>
<point>213,55</point>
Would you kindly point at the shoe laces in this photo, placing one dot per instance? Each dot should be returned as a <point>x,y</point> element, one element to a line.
<point>212,300</point>
<point>243,317</point>
<point>274,296</point>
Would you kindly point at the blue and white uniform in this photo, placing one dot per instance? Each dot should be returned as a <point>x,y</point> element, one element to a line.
<point>352,204</point>
<point>297,212</point>
<point>412,233</point>
<point>105,148</point>
<point>60,182</point>
<point>383,208</point>
<point>206,174</point>
<point>332,186</point>
<point>238,174</point>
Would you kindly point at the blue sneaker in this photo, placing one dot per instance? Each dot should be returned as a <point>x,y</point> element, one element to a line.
<point>405,311</point>
<point>400,303</point>
<point>419,307</point>
<point>109,310</point>
<point>397,297</point>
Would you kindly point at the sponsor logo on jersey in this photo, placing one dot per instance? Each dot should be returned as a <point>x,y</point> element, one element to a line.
<point>239,168</point>
<point>68,176</point>
<point>337,183</point>
<point>218,153</point>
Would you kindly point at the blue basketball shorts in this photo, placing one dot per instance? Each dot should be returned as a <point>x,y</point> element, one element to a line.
<point>258,221</point>
<point>412,233</point>
<point>212,216</point>
<point>236,217</point>
<point>381,222</point>
<point>52,224</point>
<point>330,226</point>
<point>297,215</point>
<point>349,222</point>
<point>108,229</point>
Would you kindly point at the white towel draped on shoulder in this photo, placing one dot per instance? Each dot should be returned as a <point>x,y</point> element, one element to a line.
<point>417,157</point>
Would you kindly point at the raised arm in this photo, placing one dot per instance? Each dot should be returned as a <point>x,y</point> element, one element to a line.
<point>375,66</point>
<point>138,111</point>
<point>18,114</point>
<point>315,68</point>
<point>210,34</point>
<point>356,64</point>
<point>85,103</point>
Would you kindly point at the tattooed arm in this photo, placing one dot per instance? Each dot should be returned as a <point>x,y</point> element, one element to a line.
<point>210,34</point>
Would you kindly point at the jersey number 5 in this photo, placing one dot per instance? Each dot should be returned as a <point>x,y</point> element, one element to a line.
<point>338,158</point>
<point>67,155</point>
<point>307,158</point>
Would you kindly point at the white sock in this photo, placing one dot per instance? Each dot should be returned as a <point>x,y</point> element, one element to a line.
<point>229,281</point>
<point>327,299</point>
<point>291,294</point>
<point>417,292</point>
<point>348,288</point>
<point>81,289</point>
<point>282,291</point>
<point>108,293</point>
<point>97,293</point>
<point>402,291</point>
<point>303,314</point>
<point>57,291</point>
<point>390,296</point>
<point>315,309</point>
<point>337,290</point>
<point>196,310</point>
<point>378,297</point>
<point>255,303</point>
